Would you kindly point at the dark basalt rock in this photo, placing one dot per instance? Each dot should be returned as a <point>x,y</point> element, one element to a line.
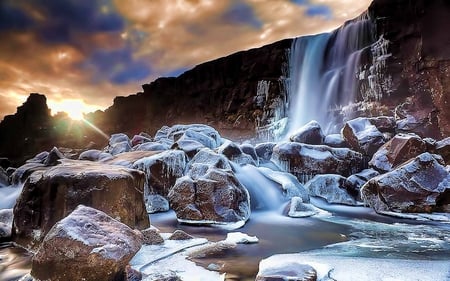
<point>419,185</point>
<point>52,194</point>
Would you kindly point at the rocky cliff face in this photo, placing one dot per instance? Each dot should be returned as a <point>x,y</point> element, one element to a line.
<point>223,93</point>
<point>415,82</point>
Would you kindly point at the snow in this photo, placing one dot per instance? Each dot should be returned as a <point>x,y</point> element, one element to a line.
<point>315,153</point>
<point>367,269</point>
<point>240,238</point>
<point>156,261</point>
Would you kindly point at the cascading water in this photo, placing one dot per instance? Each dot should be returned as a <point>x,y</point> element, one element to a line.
<point>324,74</point>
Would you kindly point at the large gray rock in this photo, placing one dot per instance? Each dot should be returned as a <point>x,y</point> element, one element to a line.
<point>310,133</point>
<point>306,161</point>
<point>330,187</point>
<point>162,170</point>
<point>217,197</point>
<point>419,185</point>
<point>396,151</point>
<point>86,245</point>
<point>51,195</point>
<point>287,271</point>
<point>361,135</point>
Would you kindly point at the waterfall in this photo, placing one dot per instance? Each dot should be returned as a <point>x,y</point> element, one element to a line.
<point>325,72</point>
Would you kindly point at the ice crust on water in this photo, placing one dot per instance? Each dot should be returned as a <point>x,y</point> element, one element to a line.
<point>159,261</point>
<point>367,269</point>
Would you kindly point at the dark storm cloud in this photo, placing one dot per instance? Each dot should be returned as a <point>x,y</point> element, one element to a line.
<point>66,19</point>
<point>241,13</point>
<point>118,66</point>
<point>13,18</point>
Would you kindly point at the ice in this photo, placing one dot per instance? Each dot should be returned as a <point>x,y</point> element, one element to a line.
<point>169,259</point>
<point>367,269</point>
<point>241,238</point>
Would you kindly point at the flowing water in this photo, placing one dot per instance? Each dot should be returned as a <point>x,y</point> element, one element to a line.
<point>324,73</point>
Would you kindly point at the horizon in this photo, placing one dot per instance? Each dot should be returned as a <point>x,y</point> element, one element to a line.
<point>123,46</point>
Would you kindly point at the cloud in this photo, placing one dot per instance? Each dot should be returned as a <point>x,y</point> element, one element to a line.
<point>94,50</point>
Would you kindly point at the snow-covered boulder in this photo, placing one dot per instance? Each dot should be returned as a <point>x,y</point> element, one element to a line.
<point>249,149</point>
<point>162,170</point>
<point>204,134</point>
<point>50,195</point>
<point>335,140</point>
<point>385,124</point>
<point>362,136</point>
<point>94,155</point>
<point>39,158</point>
<point>305,160</point>
<point>396,151</point>
<point>204,160</point>
<point>140,139</point>
<point>53,157</point>
<point>234,153</point>
<point>419,185</point>
<point>310,133</point>
<point>332,188</point>
<point>152,146</point>
<point>188,145</point>
<point>86,245</point>
<point>300,209</point>
<point>118,143</point>
<point>215,197</point>
<point>264,150</point>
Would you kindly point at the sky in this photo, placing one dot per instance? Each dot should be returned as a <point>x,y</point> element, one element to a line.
<point>83,53</point>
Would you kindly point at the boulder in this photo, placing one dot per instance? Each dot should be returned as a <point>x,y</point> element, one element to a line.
<point>249,149</point>
<point>396,151</point>
<point>162,170</point>
<point>118,143</point>
<point>86,245</point>
<point>264,150</point>
<point>53,156</point>
<point>180,235</point>
<point>50,195</point>
<point>94,155</point>
<point>300,209</point>
<point>355,182</point>
<point>204,134</point>
<point>335,140</point>
<point>332,188</point>
<point>39,158</point>
<point>234,153</point>
<point>152,146</point>
<point>362,136</point>
<point>419,185</point>
<point>151,236</point>
<point>140,139</point>
<point>156,203</point>
<point>310,133</point>
<point>216,197</point>
<point>305,160</point>
<point>385,124</point>
<point>443,149</point>
<point>189,146</point>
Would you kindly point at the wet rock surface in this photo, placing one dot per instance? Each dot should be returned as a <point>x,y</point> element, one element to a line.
<point>49,196</point>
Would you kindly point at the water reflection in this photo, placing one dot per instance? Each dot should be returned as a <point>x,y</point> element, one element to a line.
<point>15,262</point>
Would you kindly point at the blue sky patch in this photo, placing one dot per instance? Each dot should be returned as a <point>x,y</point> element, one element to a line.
<point>241,13</point>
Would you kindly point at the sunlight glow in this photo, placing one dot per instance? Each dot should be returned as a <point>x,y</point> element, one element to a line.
<point>75,108</point>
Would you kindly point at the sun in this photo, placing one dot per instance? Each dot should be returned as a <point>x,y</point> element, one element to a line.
<point>75,108</point>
